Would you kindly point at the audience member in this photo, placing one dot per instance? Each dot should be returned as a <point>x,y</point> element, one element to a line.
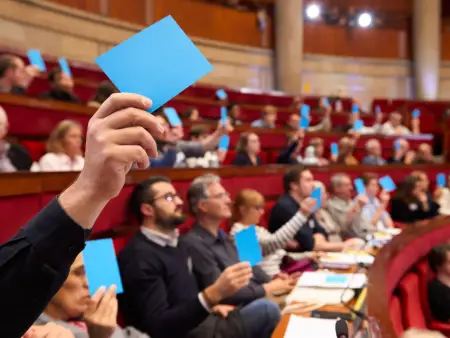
<point>166,145</point>
<point>394,126</point>
<point>346,148</point>
<point>191,114</point>
<point>424,155</point>
<point>374,152</point>
<point>104,90</point>
<point>61,87</point>
<point>268,118</point>
<point>375,209</point>
<point>410,204</point>
<point>234,114</point>
<point>292,153</point>
<point>346,211</point>
<point>424,184</point>
<point>293,122</point>
<point>439,286</point>
<point>345,128</point>
<point>210,158</point>
<point>298,183</point>
<point>324,124</point>
<point>212,250</point>
<point>442,197</point>
<point>310,156</point>
<point>402,154</point>
<point>319,149</point>
<point>248,210</point>
<point>15,77</point>
<point>64,148</point>
<point>47,331</point>
<point>247,150</point>
<point>13,157</point>
<point>86,317</point>
<point>297,102</point>
<point>162,296</point>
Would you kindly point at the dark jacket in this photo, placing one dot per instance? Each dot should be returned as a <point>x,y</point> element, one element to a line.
<point>19,157</point>
<point>242,159</point>
<point>60,95</point>
<point>412,212</point>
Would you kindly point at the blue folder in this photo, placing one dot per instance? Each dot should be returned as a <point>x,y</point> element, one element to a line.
<point>248,246</point>
<point>36,59</point>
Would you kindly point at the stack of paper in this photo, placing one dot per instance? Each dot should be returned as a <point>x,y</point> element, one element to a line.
<point>325,279</point>
<point>344,260</point>
<point>319,296</point>
<point>310,328</point>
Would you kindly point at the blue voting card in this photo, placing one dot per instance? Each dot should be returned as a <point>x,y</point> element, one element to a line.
<point>317,194</point>
<point>305,110</point>
<point>100,264</point>
<point>326,102</point>
<point>377,110</point>
<point>359,186</point>
<point>387,183</point>
<point>336,279</point>
<point>224,142</point>
<point>36,59</point>
<point>248,246</point>
<point>173,117</point>
<point>358,125</point>
<point>355,108</point>
<point>159,62</point>
<point>223,116</point>
<point>440,180</point>
<point>304,122</point>
<point>65,66</point>
<point>396,144</point>
<point>334,149</point>
<point>221,94</point>
<point>415,113</point>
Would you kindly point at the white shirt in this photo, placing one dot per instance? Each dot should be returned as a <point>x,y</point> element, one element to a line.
<point>444,202</point>
<point>60,162</point>
<point>388,129</point>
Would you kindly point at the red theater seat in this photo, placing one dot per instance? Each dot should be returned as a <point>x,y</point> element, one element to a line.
<point>395,311</point>
<point>36,149</point>
<point>410,300</point>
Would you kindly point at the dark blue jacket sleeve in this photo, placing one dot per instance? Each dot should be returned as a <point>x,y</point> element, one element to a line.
<point>166,161</point>
<point>285,154</point>
<point>34,264</point>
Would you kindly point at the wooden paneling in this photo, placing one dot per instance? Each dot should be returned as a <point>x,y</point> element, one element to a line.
<point>445,40</point>
<point>92,6</point>
<point>128,10</point>
<point>342,41</point>
<point>374,5</point>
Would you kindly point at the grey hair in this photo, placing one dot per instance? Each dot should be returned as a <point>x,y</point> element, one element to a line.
<point>198,190</point>
<point>337,180</point>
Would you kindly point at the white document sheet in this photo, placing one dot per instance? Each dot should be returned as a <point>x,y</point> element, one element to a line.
<point>307,327</point>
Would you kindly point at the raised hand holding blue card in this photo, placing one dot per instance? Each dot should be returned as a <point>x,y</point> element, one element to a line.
<point>65,67</point>
<point>359,186</point>
<point>334,149</point>
<point>173,117</point>
<point>221,94</point>
<point>355,108</point>
<point>387,183</point>
<point>100,264</point>
<point>377,110</point>
<point>415,113</point>
<point>248,246</point>
<point>36,59</point>
<point>326,102</point>
<point>304,122</point>
<point>223,116</point>
<point>224,142</point>
<point>440,180</point>
<point>317,194</point>
<point>158,62</point>
<point>397,144</point>
<point>358,125</point>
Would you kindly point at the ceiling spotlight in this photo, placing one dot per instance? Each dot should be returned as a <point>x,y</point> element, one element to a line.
<point>365,20</point>
<point>313,11</point>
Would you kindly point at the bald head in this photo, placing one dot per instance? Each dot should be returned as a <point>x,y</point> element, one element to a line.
<point>4,124</point>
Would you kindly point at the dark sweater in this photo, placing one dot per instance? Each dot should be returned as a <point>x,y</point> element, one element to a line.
<point>412,212</point>
<point>439,300</point>
<point>61,95</point>
<point>285,156</point>
<point>242,159</point>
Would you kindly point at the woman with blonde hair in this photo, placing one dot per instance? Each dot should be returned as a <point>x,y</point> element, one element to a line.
<point>64,152</point>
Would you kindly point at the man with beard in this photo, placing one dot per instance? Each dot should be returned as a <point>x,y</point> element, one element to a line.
<point>160,295</point>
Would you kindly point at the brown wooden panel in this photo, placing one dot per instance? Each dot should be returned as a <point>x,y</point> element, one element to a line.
<point>445,40</point>
<point>341,41</point>
<point>93,6</point>
<point>383,5</point>
<point>132,10</point>
<point>213,22</point>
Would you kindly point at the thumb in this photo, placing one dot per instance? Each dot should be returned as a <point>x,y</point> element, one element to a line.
<point>98,295</point>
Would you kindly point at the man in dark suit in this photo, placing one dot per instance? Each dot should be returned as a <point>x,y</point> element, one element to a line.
<point>35,263</point>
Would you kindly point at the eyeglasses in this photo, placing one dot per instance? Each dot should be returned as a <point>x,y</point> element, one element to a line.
<point>170,197</point>
<point>221,195</point>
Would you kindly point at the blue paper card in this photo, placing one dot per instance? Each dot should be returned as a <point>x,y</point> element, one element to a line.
<point>173,117</point>
<point>415,113</point>
<point>396,145</point>
<point>317,194</point>
<point>36,59</point>
<point>304,122</point>
<point>221,94</point>
<point>304,110</point>
<point>223,116</point>
<point>326,102</point>
<point>334,149</point>
<point>358,125</point>
<point>224,142</point>
<point>377,110</point>
<point>100,264</point>
<point>336,279</point>
<point>65,66</point>
<point>355,108</point>
<point>359,186</point>
<point>248,246</point>
<point>387,183</point>
<point>158,62</point>
<point>440,180</point>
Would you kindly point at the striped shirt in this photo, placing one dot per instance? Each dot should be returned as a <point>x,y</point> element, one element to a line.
<point>272,244</point>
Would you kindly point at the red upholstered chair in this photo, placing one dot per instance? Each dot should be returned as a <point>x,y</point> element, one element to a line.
<point>229,158</point>
<point>36,149</point>
<point>410,302</point>
<point>267,209</point>
<point>395,312</point>
<point>263,156</point>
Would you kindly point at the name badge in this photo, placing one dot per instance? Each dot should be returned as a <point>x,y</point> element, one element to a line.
<point>189,264</point>
<point>413,207</point>
<point>311,224</point>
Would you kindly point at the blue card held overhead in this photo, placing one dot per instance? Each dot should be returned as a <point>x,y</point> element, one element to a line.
<point>100,264</point>
<point>355,108</point>
<point>326,102</point>
<point>317,194</point>
<point>223,116</point>
<point>358,125</point>
<point>305,110</point>
<point>36,59</point>
<point>248,246</point>
<point>377,110</point>
<point>304,122</point>
<point>415,113</point>
<point>334,149</point>
<point>359,186</point>
<point>224,142</point>
<point>173,117</point>
<point>387,183</point>
<point>440,180</point>
<point>65,67</point>
<point>221,94</point>
<point>158,62</point>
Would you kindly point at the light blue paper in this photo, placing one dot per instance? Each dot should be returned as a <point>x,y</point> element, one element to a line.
<point>65,66</point>
<point>100,264</point>
<point>355,108</point>
<point>334,149</point>
<point>415,113</point>
<point>326,102</point>
<point>377,110</point>
<point>317,194</point>
<point>248,246</point>
<point>36,59</point>
<point>359,186</point>
<point>221,94</point>
<point>158,62</point>
<point>223,116</point>
<point>358,125</point>
<point>173,117</point>
<point>305,110</point>
<point>396,145</point>
<point>224,142</point>
<point>440,180</point>
<point>304,122</point>
<point>387,183</point>
<point>336,279</point>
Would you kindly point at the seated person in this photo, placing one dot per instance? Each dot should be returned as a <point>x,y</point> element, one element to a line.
<point>234,114</point>
<point>212,250</point>
<point>324,124</point>
<point>86,317</point>
<point>298,183</point>
<point>293,121</point>
<point>166,145</point>
<point>346,147</point>
<point>410,204</point>
<point>13,157</point>
<point>424,155</point>
<point>104,90</point>
<point>268,118</point>
<point>375,209</point>
<point>346,211</point>
<point>210,159</point>
<point>442,197</point>
<point>161,295</point>
<point>61,87</point>
<point>47,331</point>
<point>15,77</point>
<point>64,152</point>
<point>394,126</point>
<point>319,149</point>
<point>191,114</point>
<point>439,287</point>
<point>373,151</point>
<point>248,210</point>
<point>297,102</point>
<point>345,128</point>
<point>310,156</point>
<point>424,184</point>
<point>401,153</point>
<point>292,153</point>
<point>247,150</point>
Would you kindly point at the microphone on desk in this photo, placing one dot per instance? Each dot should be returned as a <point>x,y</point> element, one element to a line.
<point>341,329</point>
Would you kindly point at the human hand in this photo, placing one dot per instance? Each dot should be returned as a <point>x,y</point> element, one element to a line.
<point>385,197</point>
<point>353,244</point>
<point>50,330</point>
<point>308,205</point>
<point>223,310</point>
<point>174,134</point>
<point>224,129</point>
<point>362,200</point>
<point>278,286</point>
<point>410,157</point>
<point>101,314</point>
